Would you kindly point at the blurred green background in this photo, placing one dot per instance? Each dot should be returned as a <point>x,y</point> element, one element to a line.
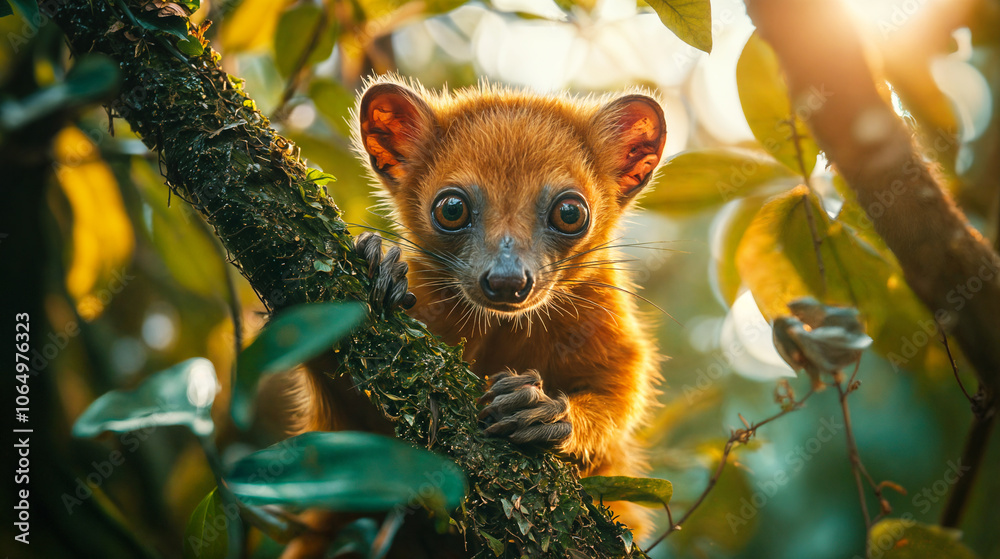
<point>147,285</point>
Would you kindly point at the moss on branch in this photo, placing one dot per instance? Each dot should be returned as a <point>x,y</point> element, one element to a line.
<point>286,236</point>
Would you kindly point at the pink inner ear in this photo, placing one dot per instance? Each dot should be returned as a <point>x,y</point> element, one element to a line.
<point>389,123</point>
<point>642,136</point>
<point>392,114</point>
<point>638,173</point>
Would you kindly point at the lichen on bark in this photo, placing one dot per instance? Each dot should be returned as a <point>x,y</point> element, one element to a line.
<point>286,236</point>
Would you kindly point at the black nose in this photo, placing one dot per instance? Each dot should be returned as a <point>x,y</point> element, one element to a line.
<point>506,287</point>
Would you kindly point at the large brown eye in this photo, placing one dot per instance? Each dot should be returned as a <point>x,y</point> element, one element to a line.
<point>451,211</point>
<point>569,216</point>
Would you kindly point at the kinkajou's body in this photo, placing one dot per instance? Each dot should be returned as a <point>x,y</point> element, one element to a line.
<point>514,200</point>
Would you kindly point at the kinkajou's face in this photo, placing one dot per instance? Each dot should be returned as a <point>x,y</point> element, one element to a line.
<point>512,198</point>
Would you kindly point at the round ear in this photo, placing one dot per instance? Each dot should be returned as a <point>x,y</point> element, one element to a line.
<point>396,124</point>
<point>640,131</point>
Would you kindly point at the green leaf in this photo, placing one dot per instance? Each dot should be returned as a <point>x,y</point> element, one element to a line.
<point>434,7</point>
<point>496,546</point>
<point>766,105</point>
<point>387,533</point>
<point>93,77</point>
<point>323,265</point>
<point>333,101</point>
<point>646,491</point>
<point>690,20</point>
<point>294,36</point>
<point>702,179</point>
<point>171,24</point>
<point>180,395</point>
<point>191,5</point>
<point>853,215</point>
<point>206,536</point>
<point>896,538</point>
<point>29,9</point>
<point>906,332</point>
<point>358,537</point>
<point>777,260</point>
<point>293,337</point>
<point>5,9</point>
<point>348,471</point>
<point>725,234</point>
<point>190,46</point>
<point>626,538</point>
<point>319,177</point>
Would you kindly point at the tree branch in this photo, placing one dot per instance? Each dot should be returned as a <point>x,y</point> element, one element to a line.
<point>945,261</point>
<point>973,454</point>
<point>874,152</point>
<point>287,238</point>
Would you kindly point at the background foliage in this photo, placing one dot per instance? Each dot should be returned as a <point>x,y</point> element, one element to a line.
<point>147,286</point>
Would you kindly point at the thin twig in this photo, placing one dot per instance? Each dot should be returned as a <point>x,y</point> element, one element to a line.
<point>796,143</point>
<point>976,441</point>
<point>708,488</point>
<point>232,296</point>
<point>817,241</point>
<point>739,436</point>
<point>954,366</point>
<point>850,381</point>
<point>855,459</point>
<point>295,76</point>
<point>857,466</point>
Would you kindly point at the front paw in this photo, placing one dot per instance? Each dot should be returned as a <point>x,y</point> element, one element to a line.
<point>389,289</point>
<point>519,410</point>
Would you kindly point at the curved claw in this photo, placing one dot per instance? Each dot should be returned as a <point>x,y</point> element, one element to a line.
<point>505,382</point>
<point>508,403</point>
<point>544,433</point>
<point>519,409</point>
<point>369,245</point>
<point>390,286</point>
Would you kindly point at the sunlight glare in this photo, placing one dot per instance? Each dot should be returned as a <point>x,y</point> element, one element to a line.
<point>202,384</point>
<point>746,340</point>
<point>885,17</point>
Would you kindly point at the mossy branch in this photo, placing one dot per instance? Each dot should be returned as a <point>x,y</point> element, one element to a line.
<point>286,236</point>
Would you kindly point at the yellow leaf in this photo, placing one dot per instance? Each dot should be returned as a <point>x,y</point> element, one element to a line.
<point>690,20</point>
<point>765,257</point>
<point>102,236</point>
<point>769,111</point>
<point>188,252</point>
<point>251,26</point>
<point>777,260</point>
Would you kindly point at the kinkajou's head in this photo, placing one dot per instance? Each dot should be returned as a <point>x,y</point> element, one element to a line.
<point>511,195</point>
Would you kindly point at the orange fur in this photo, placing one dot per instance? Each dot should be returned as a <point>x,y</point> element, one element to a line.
<point>576,329</point>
